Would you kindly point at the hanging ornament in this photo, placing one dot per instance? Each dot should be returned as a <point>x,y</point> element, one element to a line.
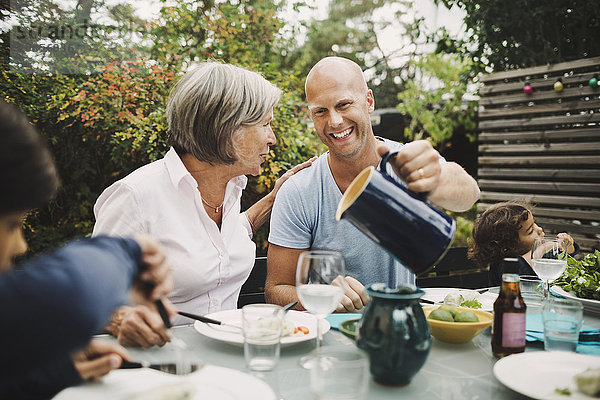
<point>527,89</point>
<point>558,85</point>
<point>594,81</point>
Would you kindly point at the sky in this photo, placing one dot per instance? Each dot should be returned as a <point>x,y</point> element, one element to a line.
<point>435,17</point>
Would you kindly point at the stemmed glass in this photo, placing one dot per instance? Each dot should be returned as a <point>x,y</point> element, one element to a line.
<point>320,285</point>
<point>548,260</point>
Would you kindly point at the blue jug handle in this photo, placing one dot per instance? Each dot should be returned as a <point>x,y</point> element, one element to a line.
<point>383,169</point>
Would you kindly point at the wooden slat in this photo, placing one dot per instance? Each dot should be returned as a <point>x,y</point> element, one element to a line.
<point>588,215</point>
<point>539,160</point>
<point>539,83</point>
<point>571,201</point>
<point>567,214</point>
<point>539,121</point>
<point>528,136</point>
<point>539,148</point>
<point>568,106</point>
<point>540,173</point>
<point>545,95</point>
<point>553,68</point>
<point>536,186</point>
<point>587,245</point>
<point>544,147</point>
<point>566,226</point>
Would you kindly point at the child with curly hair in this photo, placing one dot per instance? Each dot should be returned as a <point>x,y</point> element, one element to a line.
<point>508,229</point>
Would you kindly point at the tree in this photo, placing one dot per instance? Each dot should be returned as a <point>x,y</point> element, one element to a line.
<point>352,30</point>
<point>435,100</point>
<point>504,35</point>
<point>100,103</point>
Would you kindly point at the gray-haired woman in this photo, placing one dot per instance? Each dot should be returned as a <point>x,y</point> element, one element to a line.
<point>219,125</point>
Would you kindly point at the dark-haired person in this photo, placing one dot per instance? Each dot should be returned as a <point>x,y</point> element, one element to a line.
<point>53,304</point>
<point>219,119</point>
<point>508,229</point>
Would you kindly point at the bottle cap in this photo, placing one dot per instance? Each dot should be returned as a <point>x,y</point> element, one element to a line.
<point>510,265</point>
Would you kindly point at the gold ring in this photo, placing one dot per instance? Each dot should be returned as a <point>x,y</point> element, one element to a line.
<point>421,173</point>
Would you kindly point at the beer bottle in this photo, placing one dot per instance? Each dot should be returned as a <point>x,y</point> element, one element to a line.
<point>508,330</point>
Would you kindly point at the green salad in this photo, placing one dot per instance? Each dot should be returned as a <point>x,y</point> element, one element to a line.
<point>582,278</point>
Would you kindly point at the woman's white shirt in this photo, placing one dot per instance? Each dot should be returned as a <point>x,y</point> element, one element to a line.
<point>162,199</point>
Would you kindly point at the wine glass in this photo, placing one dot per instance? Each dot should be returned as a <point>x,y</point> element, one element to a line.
<point>548,260</point>
<point>320,286</point>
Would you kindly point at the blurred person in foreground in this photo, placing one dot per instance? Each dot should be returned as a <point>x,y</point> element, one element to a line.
<point>340,104</point>
<point>53,304</point>
<point>219,119</point>
<point>508,229</point>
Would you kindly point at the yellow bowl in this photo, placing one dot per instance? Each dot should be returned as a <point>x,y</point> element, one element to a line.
<point>458,332</point>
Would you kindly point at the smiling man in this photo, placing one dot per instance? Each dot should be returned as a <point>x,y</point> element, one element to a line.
<point>303,216</point>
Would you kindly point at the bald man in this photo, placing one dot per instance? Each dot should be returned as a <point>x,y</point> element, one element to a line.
<point>303,215</point>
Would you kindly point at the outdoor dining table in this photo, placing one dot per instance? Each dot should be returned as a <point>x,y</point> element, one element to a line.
<point>452,371</point>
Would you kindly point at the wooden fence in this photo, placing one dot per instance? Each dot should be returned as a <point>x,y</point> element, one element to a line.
<point>544,146</point>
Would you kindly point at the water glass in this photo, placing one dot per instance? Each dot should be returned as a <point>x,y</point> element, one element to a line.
<point>532,291</point>
<point>262,326</point>
<point>548,260</point>
<point>340,372</point>
<point>562,321</point>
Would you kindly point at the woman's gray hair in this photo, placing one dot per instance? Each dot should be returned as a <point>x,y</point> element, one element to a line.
<point>210,103</point>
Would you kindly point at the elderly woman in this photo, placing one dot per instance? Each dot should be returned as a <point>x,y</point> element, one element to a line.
<point>219,119</point>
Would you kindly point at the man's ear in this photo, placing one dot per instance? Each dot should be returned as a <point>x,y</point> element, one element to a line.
<point>370,101</point>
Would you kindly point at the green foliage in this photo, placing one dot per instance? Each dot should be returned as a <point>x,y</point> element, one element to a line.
<point>107,119</point>
<point>434,99</point>
<point>464,226</point>
<point>505,35</point>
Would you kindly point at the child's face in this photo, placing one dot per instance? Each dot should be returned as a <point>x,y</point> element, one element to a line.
<point>12,242</point>
<point>528,233</point>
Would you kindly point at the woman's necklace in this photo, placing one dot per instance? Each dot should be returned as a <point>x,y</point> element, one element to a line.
<point>216,208</point>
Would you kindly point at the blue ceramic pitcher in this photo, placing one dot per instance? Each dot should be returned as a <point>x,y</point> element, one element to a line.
<point>395,333</point>
<point>402,222</point>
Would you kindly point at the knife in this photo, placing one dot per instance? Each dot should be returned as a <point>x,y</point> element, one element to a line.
<point>217,322</point>
<point>170,368</point>
<point>203,319</point>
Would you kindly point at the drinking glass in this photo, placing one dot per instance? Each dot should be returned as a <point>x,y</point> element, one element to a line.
<point>320,286</point>
<point>262,326</point>
<point>548,260</point>
<point>562,321</point>
<point>340,372</point>
<point>532,291</point>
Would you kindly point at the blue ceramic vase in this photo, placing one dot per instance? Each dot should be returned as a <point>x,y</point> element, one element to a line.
<point>395,333</point>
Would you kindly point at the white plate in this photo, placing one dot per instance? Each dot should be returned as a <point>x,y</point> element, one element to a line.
<point>234,336</point>
<point>538,373</point>
<point>438,294</point>
<point>588,304</point>
<point>211,382</point>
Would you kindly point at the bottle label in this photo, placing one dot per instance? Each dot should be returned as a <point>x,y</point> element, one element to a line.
<point>513,330</point>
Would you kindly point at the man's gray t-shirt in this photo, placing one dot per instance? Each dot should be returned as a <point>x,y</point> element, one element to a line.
<point>303,217</point>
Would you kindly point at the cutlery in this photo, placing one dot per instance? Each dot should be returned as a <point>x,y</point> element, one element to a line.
<point>427,301</point>
<point>170,368</point>
<point>289,306</point>
<point>217,322</point>
<point>164,315</point>
<point>207,320</point>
